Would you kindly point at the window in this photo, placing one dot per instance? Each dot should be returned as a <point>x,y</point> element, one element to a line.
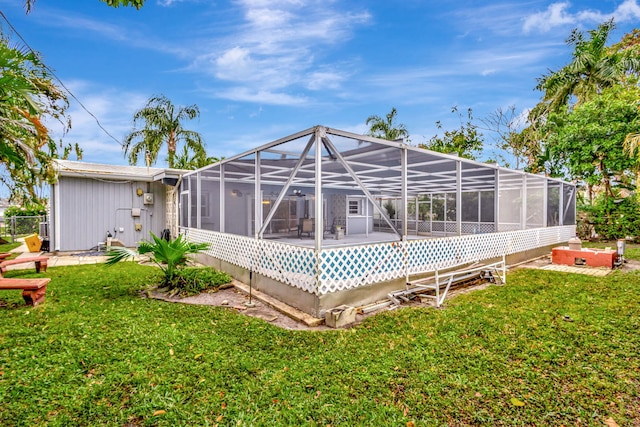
<point>355,207</point>
<point>205,204</point>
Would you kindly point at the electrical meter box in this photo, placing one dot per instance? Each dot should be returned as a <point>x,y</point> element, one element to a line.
<point>147,198</point>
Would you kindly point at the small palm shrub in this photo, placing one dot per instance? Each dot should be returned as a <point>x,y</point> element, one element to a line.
<point>169,255</point>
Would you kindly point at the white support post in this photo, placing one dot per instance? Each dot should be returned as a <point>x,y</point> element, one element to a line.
<point>431,214</point>
<point>417,214</point>
<point>561,204</point>
<point>545,196</point>
<point>222,199</point>
<point>405,214</point>
<point>496,203</point>
<point>319,134</point>
<point>198,200</point>
<point>366,215</point>
<point>459,198</point>
<point>479,211</point>
<point>257,223</point>
<point>523,192</point>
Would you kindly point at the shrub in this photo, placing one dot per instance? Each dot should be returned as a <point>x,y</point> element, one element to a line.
<point>27,218</point>
<point>193,280</point>
<point>169,255</point>
<point>610,218</point>
<point>29,210</point>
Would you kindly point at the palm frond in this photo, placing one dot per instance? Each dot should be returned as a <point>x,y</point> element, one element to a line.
<point>118,254</point>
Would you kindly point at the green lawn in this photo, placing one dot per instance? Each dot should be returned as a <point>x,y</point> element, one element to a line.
<point>8,246</point>
<point>97,354</point>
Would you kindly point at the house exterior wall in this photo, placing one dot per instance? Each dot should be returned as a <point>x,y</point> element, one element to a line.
<point>84,209</point>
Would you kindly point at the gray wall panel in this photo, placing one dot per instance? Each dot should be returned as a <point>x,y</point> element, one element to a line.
<point>90,207</point>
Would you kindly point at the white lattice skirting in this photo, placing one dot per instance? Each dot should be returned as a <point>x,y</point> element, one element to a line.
<point>338,269</point>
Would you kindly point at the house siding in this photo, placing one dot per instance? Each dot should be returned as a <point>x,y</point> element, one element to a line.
<point>88,208</point>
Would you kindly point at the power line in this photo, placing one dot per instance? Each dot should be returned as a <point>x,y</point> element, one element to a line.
<point>60,81</point>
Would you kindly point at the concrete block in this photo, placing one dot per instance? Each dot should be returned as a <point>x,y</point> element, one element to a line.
<point>340,316</point>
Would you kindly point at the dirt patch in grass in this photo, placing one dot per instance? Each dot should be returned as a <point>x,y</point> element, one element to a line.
<point>237,300</point>
<point>234,299</point>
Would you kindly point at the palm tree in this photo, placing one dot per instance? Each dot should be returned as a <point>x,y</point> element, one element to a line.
<point>191,161</point>
<point>386,128</point>
<point>27,96</point>
<point>162,125</point>
<point>593,67</point>
<point>169,255</point>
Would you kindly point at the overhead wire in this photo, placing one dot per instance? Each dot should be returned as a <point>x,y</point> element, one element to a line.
<point>17,33</point>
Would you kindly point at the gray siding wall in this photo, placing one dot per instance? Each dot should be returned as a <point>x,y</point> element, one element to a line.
<point>89,207</point>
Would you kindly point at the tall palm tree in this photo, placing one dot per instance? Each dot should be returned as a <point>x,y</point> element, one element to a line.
<point>162,125</point>
<point>386,128</point>
<point>593,67</point>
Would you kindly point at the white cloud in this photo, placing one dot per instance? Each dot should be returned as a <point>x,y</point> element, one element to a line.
<point>627,11</point>
<point>324,80</point>
<point>278,48</point>
<point>260,96</point>
<point>268,18</point>
<point>555,15</point>
<point>234,64</point>
<point>169,2</point>
<point>558,14</point>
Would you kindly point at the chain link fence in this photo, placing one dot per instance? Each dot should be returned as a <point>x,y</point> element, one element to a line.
<point>18,226</point>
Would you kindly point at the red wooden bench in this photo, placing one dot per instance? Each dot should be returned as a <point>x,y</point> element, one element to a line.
<point>4,255</point>
<point>33,290</point>
<point>40,261</point>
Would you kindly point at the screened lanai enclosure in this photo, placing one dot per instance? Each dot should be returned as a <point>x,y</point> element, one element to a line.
<point>324,217</point>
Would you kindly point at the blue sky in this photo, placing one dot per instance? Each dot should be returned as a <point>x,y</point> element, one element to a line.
<point>263,69</point>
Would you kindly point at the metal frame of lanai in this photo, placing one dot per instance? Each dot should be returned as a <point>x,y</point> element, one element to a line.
<point>389,211</point>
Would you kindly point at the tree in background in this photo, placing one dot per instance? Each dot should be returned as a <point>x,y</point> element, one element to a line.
<point>28,4</point>
<point>466,141</point>
<point>593,68</point>
<point>505,125</point>
<point>28,97</point>
<point>386,128</point>
<point>162,125</point>
<point>589,138</point>
<point>189,160</point>
<point>630,46</point>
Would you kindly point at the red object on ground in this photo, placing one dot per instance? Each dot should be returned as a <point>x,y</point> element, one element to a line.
<point>586,256</point>
<point>33,290</point>
<point>40,261</point>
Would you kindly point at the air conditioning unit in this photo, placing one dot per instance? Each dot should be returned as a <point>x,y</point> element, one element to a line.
<point>147,198</point>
